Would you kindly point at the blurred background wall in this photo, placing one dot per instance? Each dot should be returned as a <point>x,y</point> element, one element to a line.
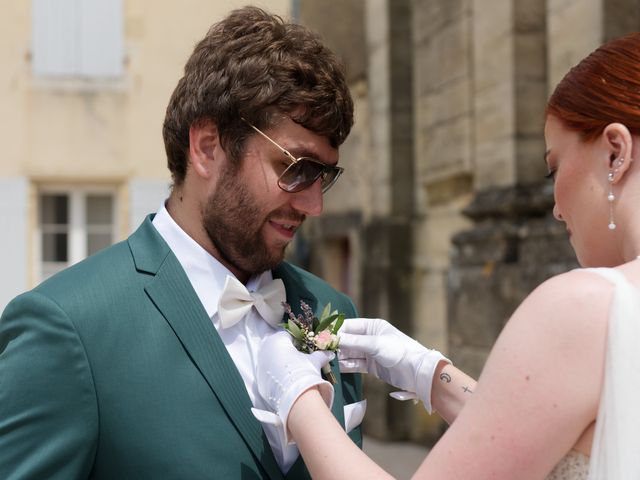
<point>442,221</point>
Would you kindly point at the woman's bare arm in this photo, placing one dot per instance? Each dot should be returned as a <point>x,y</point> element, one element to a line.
<point>450,391</point>
<point>538,392</point>
<point>327,451</point>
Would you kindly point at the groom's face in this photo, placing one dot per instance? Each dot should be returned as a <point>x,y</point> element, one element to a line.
<point>248,218</point>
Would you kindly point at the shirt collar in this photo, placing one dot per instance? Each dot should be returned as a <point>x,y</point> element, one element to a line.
<point>206,274</point>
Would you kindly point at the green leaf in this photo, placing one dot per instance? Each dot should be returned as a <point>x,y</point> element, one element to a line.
<point>325,322</point>
<point>338,324</point>
<point>294,330</point>
<point>316,322</point>
<point>325,311</point>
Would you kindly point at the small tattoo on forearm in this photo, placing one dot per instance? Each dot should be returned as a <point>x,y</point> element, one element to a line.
<point>445,377</point>
<point>467,390</point>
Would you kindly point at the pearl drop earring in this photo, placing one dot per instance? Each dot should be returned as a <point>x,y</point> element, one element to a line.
<point>611,197</point>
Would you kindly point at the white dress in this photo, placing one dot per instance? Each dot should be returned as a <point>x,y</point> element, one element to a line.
<point>615,453</point>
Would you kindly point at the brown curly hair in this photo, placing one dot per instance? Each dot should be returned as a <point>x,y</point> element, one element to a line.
<point>249,64</point>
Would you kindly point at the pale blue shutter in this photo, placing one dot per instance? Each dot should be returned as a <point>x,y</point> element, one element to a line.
<point>101,51</point>
<point>14,241</point>
<point>78,38</point>
<point>55,37</point>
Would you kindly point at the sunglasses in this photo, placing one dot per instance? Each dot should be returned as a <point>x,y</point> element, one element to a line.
<point>303,171</point>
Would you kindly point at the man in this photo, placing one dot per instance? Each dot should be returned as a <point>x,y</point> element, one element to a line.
<point>135,363</point>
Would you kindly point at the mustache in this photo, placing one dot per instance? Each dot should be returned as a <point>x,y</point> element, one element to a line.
<point>287,214</point>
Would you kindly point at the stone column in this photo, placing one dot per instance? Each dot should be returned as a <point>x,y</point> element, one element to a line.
<point>330,245</point>
<point>387,237</point>
<point>599,21</point>
<point>513,243</point>
<point>569,40</point>
<point>443,75</point>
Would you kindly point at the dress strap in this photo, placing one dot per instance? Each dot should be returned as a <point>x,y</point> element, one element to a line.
<point>612,275</point>
<point>614,452</point>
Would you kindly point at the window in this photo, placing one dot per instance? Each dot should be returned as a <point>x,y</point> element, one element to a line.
<point>336,263</point>
<point>73,225</point>
<point>77,38</point>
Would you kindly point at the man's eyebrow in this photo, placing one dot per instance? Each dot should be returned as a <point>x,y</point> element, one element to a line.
<point>305,151</point>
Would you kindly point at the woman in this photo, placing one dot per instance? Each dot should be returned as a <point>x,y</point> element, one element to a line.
<point>556,398</point>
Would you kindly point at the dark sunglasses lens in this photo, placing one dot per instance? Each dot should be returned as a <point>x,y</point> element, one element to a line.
<point>300,175</point>
<point>305,172</point>
<point>330,176</point>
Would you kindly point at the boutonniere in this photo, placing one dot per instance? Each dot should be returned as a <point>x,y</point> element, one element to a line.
<point>311,333</point>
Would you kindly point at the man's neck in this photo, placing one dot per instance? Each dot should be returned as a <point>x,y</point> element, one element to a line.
<point>188,218</point>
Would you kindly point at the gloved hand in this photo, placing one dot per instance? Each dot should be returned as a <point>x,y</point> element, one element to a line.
<point>283,374</point>
<point>373,345</point>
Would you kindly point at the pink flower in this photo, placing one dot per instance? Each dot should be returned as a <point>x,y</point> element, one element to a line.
<point>325,340</point>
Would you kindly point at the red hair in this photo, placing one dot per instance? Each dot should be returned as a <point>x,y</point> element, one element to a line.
<point>603,88</point>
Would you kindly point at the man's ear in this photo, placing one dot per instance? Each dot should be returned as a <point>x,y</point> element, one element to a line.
<point>619,143</point>
<point>203,143</point>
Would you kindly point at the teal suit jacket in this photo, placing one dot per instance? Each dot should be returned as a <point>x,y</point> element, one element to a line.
<point>112,369</point>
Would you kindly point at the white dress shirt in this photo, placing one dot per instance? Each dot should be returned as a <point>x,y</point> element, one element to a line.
<point>207,276</point>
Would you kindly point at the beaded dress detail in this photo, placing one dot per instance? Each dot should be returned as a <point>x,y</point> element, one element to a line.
<point>573,466</point>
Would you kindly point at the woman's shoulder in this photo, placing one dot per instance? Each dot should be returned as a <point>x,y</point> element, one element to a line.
<point>564,319</point>
<point>576,290</point>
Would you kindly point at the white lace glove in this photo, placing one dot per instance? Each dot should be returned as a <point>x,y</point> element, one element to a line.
<point>283,374</point>
<point>373,345</point>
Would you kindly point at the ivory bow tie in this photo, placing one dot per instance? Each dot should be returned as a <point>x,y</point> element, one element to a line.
<point>236,301</point>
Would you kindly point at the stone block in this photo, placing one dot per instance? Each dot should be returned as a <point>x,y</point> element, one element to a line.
<point>620,17</point>
<point>355,188</point>
<point>451,101</point>
<point>568,40</point>
<point>346,37</point>
<point>495,112</point>
<point>531,55</point>
<point>433,235</point>
<point>376,24</point>
<point>529,16</point>
<point>529,159</point>
<point>470,360</point>
<point>449,49</point>
<point>445,148</point>
<point>476,315</point>
<point>530,101</point>
<point>433,15</point>
<point>493,44</point>
<point>494,165</point>
<point>430,310</point>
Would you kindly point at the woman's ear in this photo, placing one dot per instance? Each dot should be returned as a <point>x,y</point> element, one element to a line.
<point>203,140</point>
<point>619,143</point>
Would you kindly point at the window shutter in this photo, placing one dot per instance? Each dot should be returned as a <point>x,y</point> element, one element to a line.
<point>78,38</point>
<point>101,48</point>
<point>55,37</point>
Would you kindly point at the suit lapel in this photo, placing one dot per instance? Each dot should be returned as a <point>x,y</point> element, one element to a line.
<point>171,292</point>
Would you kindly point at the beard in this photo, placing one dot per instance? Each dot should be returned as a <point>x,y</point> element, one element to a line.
<point>234,223</point>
